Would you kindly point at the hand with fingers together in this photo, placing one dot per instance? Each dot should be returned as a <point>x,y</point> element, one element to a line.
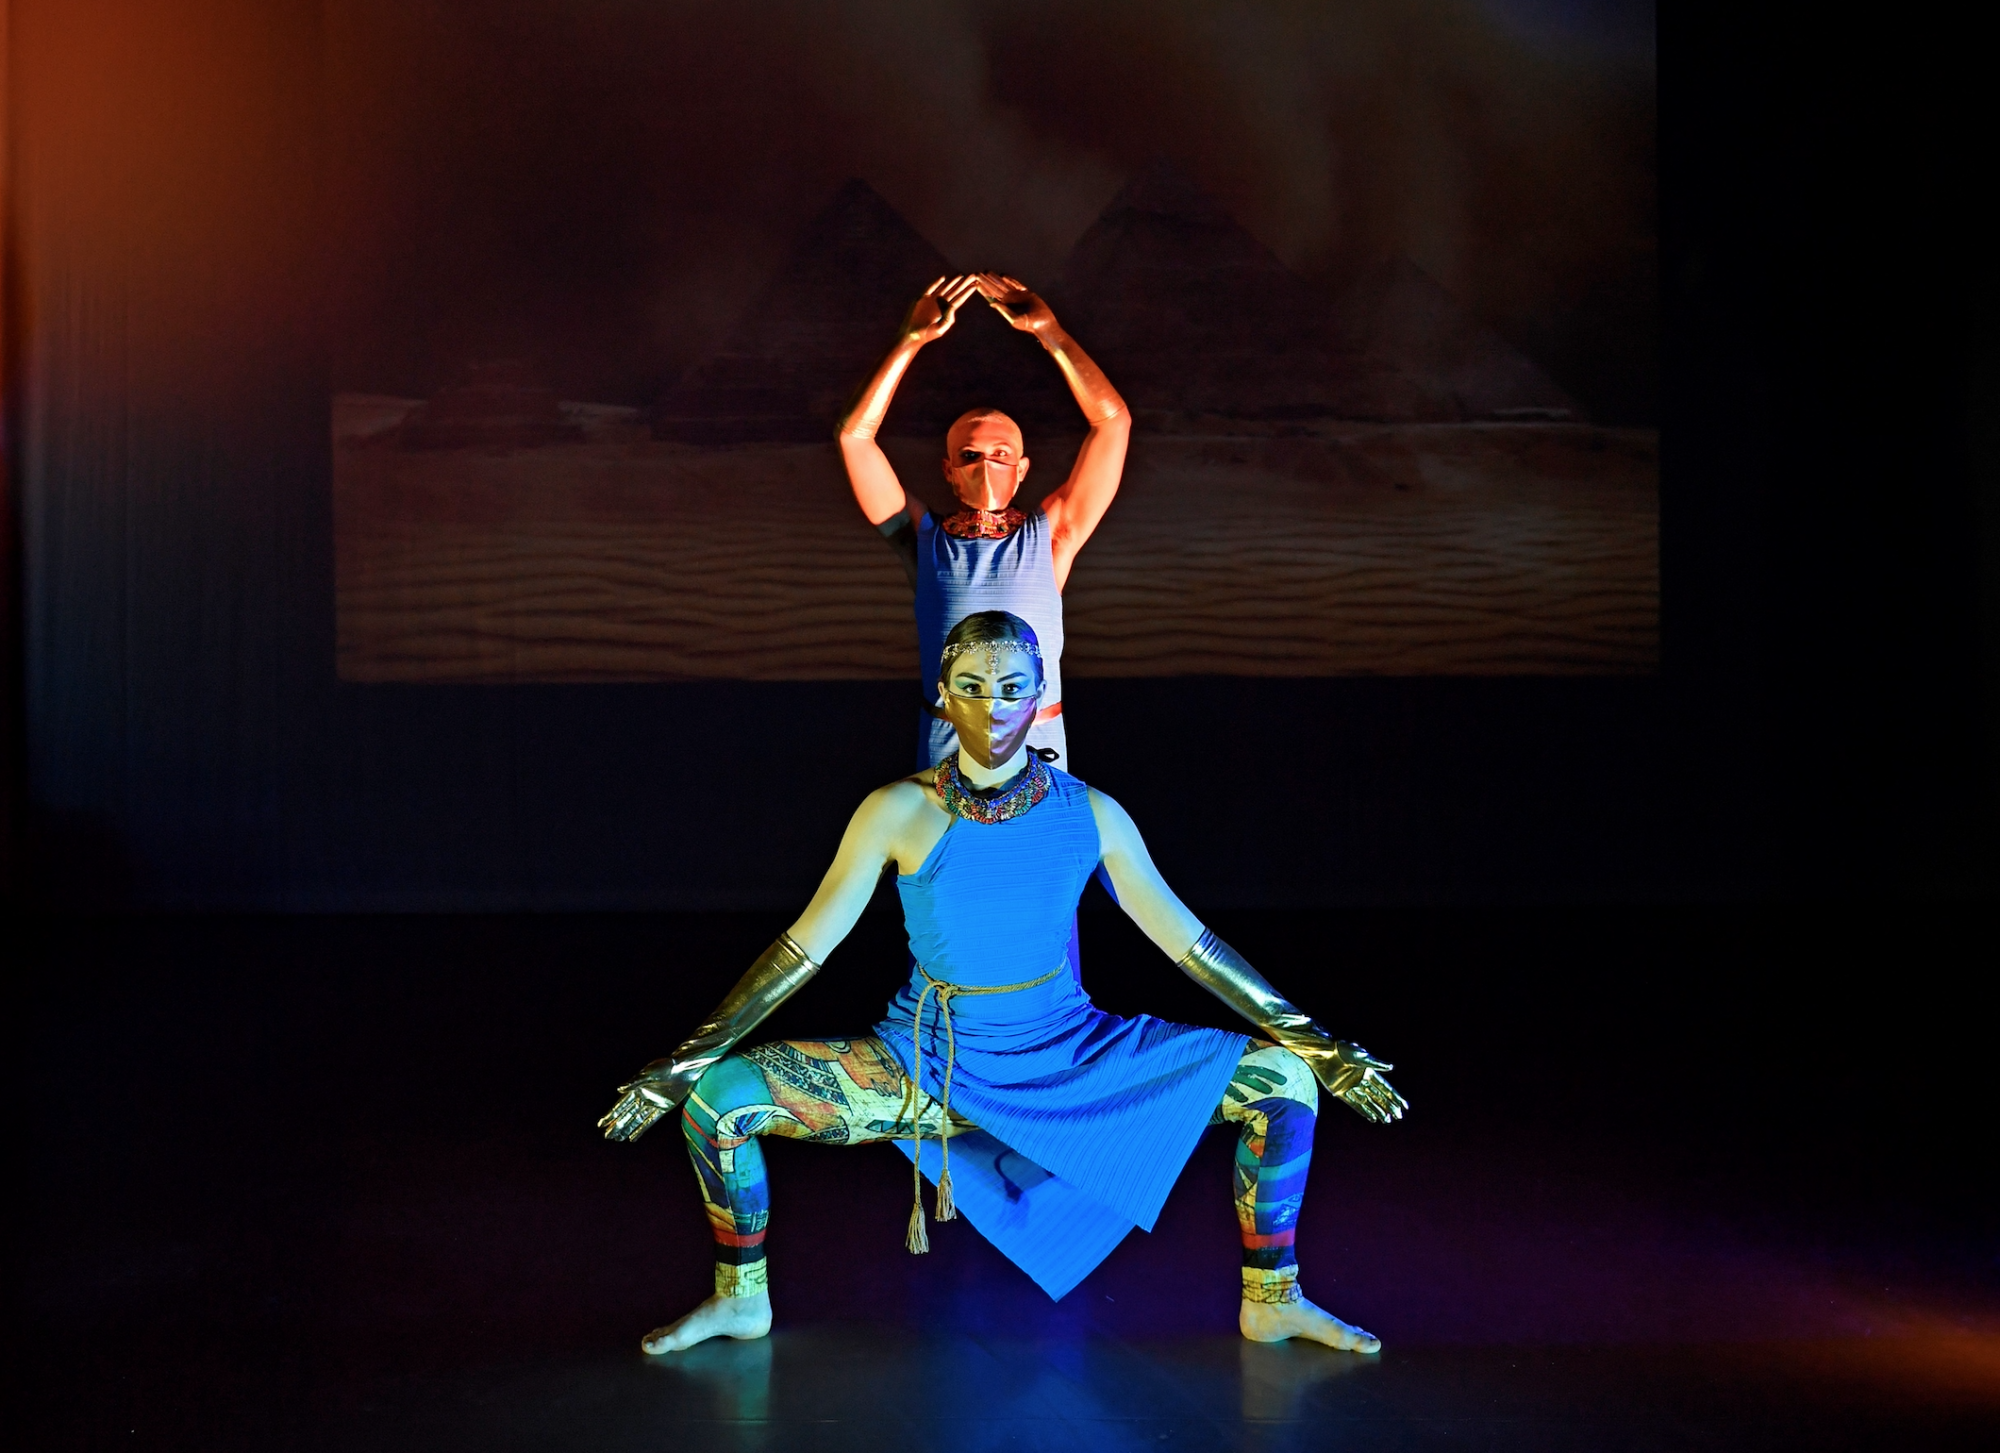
<point>1350,1073</point>
<point>930,317</point>
<point>1366,1093</point>
<point>1012,300</point>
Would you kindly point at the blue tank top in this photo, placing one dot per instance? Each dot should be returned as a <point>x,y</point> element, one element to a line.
<point>957,578</point>
<point>1032,867</point>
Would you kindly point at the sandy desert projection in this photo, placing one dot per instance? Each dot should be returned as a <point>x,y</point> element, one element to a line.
<point>1389,490</point>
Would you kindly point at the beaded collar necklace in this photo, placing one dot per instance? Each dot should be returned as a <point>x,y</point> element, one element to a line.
<point>977,524</point>
<point>962,800</point>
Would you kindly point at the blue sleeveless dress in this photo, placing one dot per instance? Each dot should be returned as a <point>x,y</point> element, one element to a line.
<point>1085,1118</point>
<point>956,578</point>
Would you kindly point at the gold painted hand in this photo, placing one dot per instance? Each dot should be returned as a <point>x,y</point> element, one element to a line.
<point>1350,1073</point>
<point>1012,300</point>
<point>642,1102</point>
<point>930,317</point>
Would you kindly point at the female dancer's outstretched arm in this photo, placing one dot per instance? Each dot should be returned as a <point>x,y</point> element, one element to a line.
<point>1347,1070</point>
<point>896,823</point>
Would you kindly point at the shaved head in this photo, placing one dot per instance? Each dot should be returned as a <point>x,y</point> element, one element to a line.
<point>984,459</point>
<point>963,425</point>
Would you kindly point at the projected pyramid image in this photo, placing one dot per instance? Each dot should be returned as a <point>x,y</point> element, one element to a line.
<point>1376,485</point>
<point>1408,350</point>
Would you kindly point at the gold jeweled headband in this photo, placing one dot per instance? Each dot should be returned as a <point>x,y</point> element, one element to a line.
<point>990,646</point>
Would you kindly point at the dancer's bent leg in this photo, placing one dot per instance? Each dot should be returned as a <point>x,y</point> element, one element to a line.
<point>1274,1101</point>
<point>720,1122</point>
<point>833,1091</point>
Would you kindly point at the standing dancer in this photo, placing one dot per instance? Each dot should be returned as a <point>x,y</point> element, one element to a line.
<point>1054,1126</point>
<point>988,556</point>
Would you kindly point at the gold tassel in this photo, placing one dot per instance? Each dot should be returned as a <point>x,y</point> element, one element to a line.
<point>946,1210</point>
<point>918,1241</point>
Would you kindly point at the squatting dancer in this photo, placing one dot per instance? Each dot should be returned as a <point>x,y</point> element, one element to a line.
<point>1054,1126</point>
<point>988,556</point>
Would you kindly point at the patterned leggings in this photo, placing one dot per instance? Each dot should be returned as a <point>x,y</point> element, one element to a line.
<point>850,1092</point>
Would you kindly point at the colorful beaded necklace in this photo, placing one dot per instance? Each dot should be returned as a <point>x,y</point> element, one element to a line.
<point>963,801</point>
<point>977,524</point>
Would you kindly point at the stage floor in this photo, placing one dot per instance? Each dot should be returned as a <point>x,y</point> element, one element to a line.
<point>332,1185</point>
<point>837,1387</point>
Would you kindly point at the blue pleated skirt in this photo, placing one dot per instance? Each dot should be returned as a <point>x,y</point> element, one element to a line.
<point>1085,1118</point>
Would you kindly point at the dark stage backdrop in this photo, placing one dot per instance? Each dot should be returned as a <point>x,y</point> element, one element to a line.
<point>1814,725</point>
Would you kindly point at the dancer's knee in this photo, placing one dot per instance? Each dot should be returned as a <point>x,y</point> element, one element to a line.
<point>1275,1073</point>
<point>732,1083</point>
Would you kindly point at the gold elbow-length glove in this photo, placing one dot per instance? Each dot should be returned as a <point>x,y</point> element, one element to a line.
<point>662,1085</point>
<point>1347,1070</point>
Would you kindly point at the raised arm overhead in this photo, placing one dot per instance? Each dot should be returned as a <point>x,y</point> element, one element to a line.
<point>876,488</point>
<point>1076,507</point>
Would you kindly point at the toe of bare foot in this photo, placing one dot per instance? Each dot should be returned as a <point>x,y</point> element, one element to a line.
<point>1264,1322</point>
<point>743,1318</point>
<point>1357,1340</point>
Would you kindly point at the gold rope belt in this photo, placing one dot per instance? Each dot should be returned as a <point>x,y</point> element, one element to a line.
<point>918,1241</point>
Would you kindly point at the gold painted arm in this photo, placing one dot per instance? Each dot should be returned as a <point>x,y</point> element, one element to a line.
<point>1100,402</point>
<point>870,406</point>
<point>1012,300</point>
<point>662,1085</point>
<point>1347,1070</point>
<point>930,317</point>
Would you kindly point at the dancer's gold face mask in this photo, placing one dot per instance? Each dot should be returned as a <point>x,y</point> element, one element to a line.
<point>985,484</point>
<point>984,463</point>
<point>990,698</point>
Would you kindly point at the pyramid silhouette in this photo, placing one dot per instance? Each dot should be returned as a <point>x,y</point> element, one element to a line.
<point>822,323</point>
<point>1184,308</point>
<point>1187,311</point>
<point>1408,349</point>
<point>812,333</point>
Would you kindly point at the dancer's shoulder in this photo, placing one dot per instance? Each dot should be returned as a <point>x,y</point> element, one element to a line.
<point>904,795</point>
<point>891,813</point>
<point>1114,823</point>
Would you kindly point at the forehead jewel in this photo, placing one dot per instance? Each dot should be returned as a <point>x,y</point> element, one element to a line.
<point>992,647</point>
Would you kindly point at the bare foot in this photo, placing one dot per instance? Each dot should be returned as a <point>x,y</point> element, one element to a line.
<point>744,1318</point>
<point>1263,1322</point>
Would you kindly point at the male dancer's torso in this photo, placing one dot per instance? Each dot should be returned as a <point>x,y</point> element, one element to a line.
<point>987,556</point>
<point>958,573</point>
